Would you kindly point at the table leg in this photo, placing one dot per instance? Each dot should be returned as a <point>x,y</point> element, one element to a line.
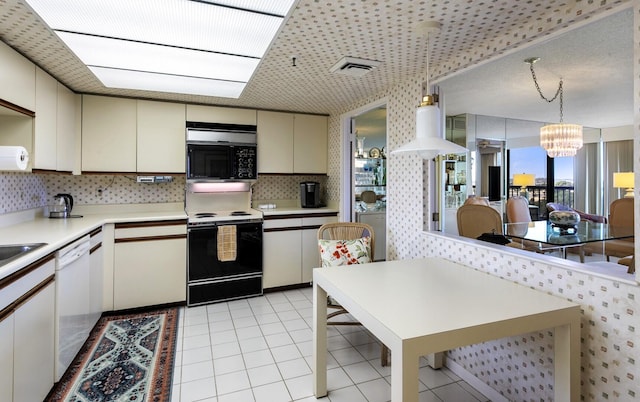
<point>567,362</point>
<point>404,376</point>
<point>319,341</point>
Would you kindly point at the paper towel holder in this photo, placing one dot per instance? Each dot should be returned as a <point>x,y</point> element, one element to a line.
<point>13,158</point>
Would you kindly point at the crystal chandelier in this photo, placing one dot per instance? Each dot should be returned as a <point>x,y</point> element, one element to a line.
<point>560,139</point>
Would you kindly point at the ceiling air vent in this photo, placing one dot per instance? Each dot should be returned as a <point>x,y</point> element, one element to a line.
<point>353,66</point>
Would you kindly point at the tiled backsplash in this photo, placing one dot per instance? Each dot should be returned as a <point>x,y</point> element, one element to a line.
<point>20,191</point>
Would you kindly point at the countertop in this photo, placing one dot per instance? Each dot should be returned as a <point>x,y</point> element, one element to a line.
<point>59,232</point>
<point>290,207</point>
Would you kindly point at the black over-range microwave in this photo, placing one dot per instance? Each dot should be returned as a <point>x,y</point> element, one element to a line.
<point>221,152</point>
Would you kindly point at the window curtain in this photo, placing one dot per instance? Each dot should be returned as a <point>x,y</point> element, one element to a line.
<point>618,157</point>
<point>588,180</point>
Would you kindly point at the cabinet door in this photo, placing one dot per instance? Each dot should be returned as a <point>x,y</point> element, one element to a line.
<point>68,140</point>
<point>282,256</point>
<point>33,346</point>
<point>108,134</point>
<point>6,358</point>
<point>149,272</point>
<point>309,144</point>
<point>275,142</point>
<point>18,78</point>
<point>161,137</point>
<point>44,133</point>
<point>310,254</point>
<point>215,114</point>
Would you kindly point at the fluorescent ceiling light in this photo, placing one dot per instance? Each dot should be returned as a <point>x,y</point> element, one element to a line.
<point>145,81</point>
<point>202,35</point>
<point>104,52</point>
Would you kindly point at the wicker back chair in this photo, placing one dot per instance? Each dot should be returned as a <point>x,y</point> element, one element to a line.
<point>348,231</point>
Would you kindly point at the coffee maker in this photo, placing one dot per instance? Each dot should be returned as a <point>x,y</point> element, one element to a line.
<point>310,194</point>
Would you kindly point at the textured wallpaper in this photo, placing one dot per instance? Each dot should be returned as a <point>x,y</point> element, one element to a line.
<point>520,368</point>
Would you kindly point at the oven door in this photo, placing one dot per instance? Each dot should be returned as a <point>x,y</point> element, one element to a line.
<point>204,263</point>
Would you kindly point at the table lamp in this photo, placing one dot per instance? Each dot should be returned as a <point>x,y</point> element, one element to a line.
<point>624,180</point>
<point>524,180</point>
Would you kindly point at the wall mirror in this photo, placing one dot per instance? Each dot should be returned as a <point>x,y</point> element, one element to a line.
<point>503,112</point>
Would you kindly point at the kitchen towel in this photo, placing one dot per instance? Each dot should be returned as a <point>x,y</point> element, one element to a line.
<point>227,246</point>
<point>13,158</point>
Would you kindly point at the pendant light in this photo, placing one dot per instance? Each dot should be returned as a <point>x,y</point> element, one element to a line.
<point>429,140</point>
<point>560,139</point>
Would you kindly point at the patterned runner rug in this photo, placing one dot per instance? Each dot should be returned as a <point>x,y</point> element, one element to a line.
<point>126,358</point>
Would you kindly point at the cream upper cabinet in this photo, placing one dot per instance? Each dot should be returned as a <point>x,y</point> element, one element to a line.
<point>215,114</point>
<point>108,134</point>
<point>17,78</point>
<point>309,144</point>
<point>160,137</point>
<point>44,154</point>
<point>275,142</point>
<point>292,143</point>
<point>68,138</point>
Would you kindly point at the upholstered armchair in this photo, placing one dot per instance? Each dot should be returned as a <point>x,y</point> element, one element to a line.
<point>621,215</point>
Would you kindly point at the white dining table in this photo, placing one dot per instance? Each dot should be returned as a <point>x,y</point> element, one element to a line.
<point>423,306</point>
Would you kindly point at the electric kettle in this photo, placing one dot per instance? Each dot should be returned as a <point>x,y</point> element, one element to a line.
<point>63,204</point>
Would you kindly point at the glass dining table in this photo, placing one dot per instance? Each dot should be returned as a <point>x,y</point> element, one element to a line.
<point>549,236</point>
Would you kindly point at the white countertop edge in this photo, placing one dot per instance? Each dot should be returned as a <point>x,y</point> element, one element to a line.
<point>297,211</point>
<point>59,232</point>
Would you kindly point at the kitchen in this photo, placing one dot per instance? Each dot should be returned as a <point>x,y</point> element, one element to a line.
<point>27,191</point>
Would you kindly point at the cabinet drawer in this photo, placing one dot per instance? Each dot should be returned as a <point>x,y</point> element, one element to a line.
<point>319,221</point>
<point>150,230</point>
<point>282,223</point>
<point>15,286</point>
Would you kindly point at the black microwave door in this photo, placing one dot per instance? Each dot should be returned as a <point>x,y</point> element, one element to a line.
<point>209,161</point>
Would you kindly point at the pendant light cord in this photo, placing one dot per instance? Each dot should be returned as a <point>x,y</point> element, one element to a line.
<point>535,81</point>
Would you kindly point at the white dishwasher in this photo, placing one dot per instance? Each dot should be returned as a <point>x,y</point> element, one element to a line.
<point>73,321</point>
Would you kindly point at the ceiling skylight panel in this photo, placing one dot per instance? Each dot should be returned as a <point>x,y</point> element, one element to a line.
<point>106,52</point>
<point>179,23</point>
<point>126,79</point>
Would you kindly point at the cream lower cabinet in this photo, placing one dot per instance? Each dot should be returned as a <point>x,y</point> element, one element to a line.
<point>33,348</point>
<point>149,263</point>
<point>6,357</point>
<point>27,314</point>
<point>96,276</point>
<point>291,249</point>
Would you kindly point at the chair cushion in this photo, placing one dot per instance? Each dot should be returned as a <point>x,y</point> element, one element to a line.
<point>345,252</point>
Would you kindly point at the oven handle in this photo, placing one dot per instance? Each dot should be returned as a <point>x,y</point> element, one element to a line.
<point>204,226</point>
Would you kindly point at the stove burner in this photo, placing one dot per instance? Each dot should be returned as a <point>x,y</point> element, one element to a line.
<point>205,215</point>
<point>240,213</point>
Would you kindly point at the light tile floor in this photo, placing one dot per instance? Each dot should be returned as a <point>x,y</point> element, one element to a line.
<point>259,349</point>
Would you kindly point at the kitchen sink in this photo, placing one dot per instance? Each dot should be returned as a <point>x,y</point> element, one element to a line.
<point>10,252</point>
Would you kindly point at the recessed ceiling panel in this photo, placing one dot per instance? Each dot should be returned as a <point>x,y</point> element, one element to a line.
<point>188,24</point>
<point>127,79</point>
<point>114,53</point>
